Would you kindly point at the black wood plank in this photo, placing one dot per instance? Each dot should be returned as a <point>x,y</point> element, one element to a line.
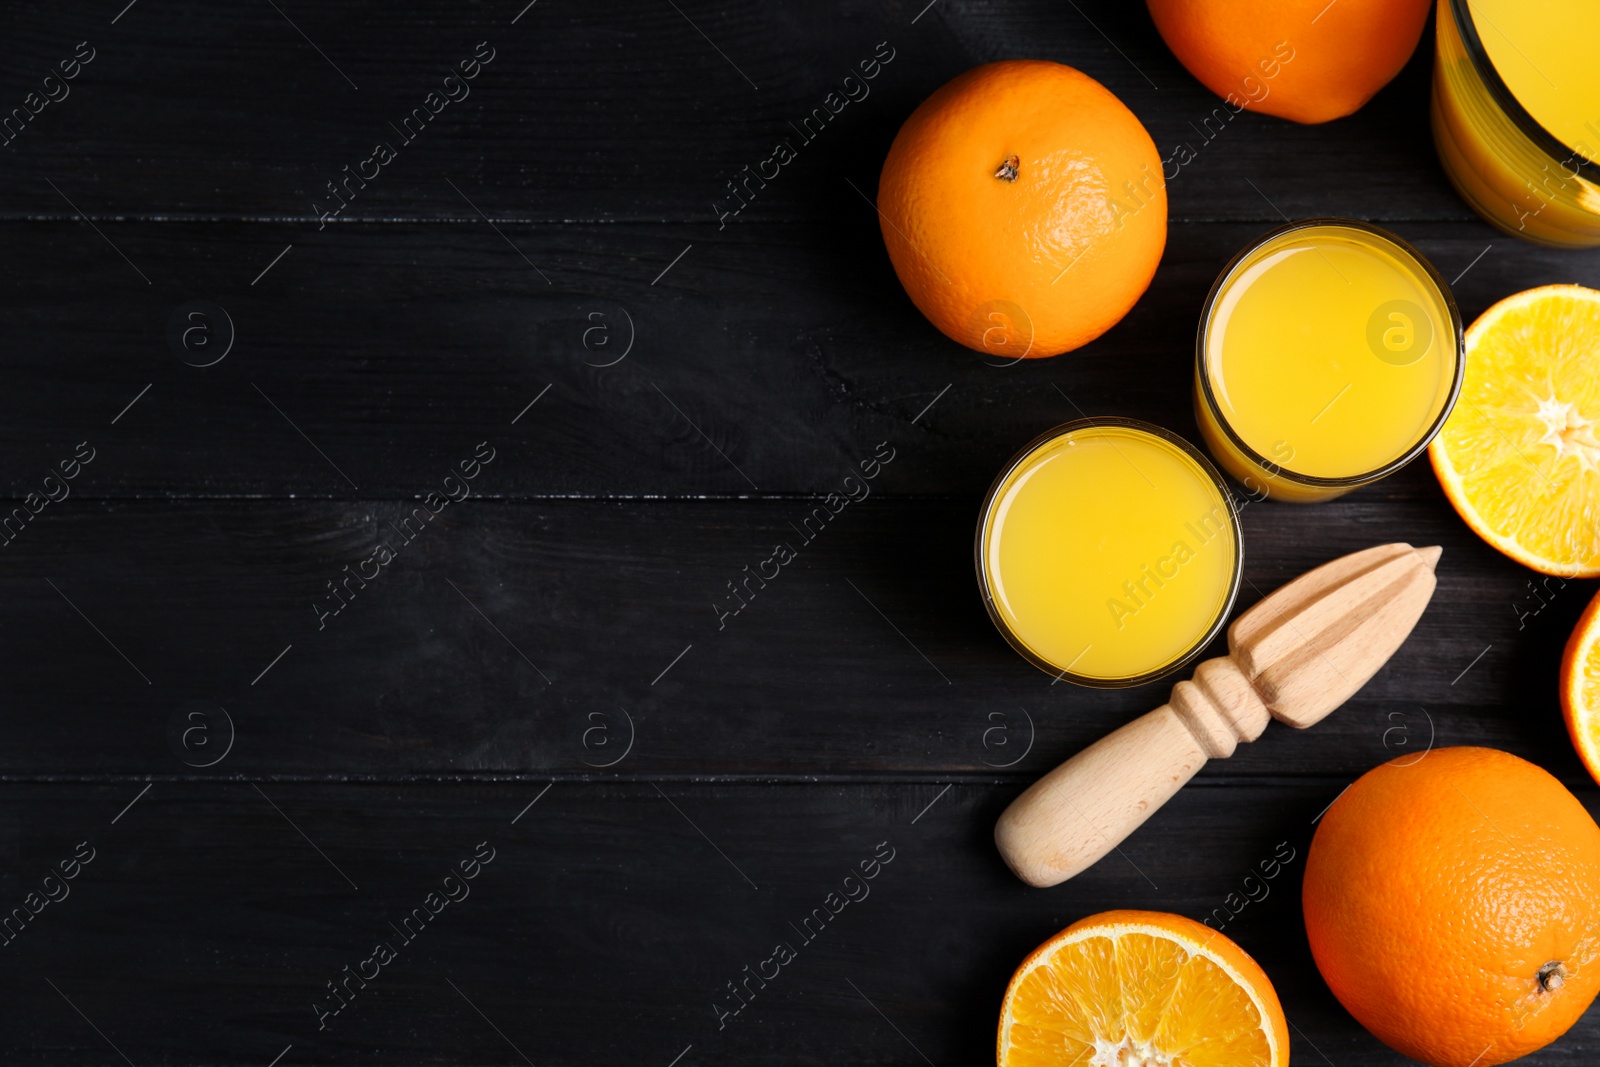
<point>543,638</point>
<point>618,111</point>
<point>370,360</point>
<point>606,926</point>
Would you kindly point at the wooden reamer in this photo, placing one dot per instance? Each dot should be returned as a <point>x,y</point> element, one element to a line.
<point>1295,656</point>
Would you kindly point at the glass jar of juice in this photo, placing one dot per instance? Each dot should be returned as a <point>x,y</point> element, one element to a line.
<point>1329,354</point>
<point>1516,114</point>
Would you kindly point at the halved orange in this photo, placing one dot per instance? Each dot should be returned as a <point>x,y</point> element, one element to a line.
<point>1580,687</point>
<point>1126,987</point>
<point>1519,457</point>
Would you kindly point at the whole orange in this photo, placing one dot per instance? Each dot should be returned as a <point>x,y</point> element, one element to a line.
<point>1306,60</point>
<point>1452,903</point>
<point>1023,208</point>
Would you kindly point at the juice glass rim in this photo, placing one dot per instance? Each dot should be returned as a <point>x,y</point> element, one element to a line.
<point>1218,482</point>
<point>1559,152</point>
<point>1279,470</point>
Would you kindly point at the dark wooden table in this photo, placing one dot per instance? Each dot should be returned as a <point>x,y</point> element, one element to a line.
<point>541,284</point>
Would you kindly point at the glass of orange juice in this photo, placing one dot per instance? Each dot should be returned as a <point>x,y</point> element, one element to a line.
<point>1516,114</point>
<point>1108,552</point>
<point>1329,354</point>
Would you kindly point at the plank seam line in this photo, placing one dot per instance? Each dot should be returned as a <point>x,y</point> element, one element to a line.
<point>522,220</point>
<point>546,778</point>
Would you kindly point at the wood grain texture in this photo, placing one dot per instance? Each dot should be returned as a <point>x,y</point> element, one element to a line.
<point>624,112</point>
<point>769,359</point>
<point>869,653</point>
<point>571,622</point>
<point>607,924</point>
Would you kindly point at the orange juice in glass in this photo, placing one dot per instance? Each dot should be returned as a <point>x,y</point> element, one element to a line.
<point>1516,114</point>
<point>1328,356</point>
<point>1108,552</point>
